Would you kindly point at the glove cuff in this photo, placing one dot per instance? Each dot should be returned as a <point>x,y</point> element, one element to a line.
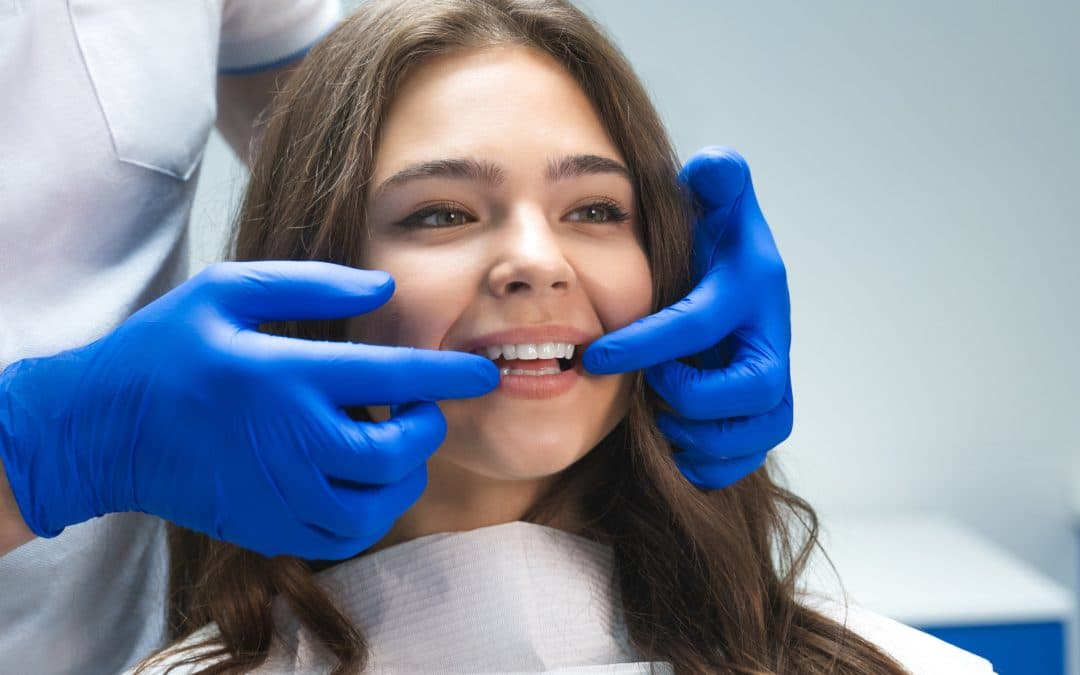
<point>45,484</point>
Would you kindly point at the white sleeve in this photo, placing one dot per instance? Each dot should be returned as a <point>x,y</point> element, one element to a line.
<point>262,34</point>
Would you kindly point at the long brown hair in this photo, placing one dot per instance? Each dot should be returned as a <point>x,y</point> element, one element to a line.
<point>707,580</point>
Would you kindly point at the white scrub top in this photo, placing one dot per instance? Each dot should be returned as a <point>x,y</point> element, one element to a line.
<point>105,107</point>
<point>517,598</point>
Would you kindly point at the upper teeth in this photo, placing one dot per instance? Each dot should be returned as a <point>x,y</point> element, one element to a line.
<point>531,350</point>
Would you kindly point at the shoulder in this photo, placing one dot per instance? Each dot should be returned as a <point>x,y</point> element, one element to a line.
<point>172,660</point>
<point>920,653</point>
<point>258,35</point>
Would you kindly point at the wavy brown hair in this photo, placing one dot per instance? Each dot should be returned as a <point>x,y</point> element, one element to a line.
<point>707,580</point>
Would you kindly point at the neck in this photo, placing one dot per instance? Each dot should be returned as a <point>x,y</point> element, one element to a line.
<point>457,500</point>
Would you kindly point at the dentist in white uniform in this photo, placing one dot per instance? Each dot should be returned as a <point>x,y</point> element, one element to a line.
<point>107,107</point>
<point>127,394</point>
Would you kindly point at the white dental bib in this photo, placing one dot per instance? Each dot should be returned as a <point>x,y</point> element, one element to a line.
<point>511,598</point>
<point>517,598</point>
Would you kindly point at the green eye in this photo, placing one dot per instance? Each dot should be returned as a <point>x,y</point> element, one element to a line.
<point>598,212</point>
<point>438,215</point>
<point>444,219</point>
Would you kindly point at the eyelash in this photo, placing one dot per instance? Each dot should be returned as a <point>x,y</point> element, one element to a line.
<point>413,221</point>
<point>615,214</point>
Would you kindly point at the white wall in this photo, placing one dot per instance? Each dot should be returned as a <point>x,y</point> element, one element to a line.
<point>919,163</point>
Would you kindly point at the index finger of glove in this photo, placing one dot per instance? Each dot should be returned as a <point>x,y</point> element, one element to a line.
<point>350,373</point>
<point>282,290</point>
<point>709,312</point>
<point>384,452</point>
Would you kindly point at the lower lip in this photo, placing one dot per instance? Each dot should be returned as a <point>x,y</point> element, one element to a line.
<point>538,386</point>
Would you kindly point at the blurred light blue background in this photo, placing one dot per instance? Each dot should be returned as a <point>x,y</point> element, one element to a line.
<point>919,163</point>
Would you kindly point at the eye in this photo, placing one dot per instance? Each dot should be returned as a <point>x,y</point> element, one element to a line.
<point>598,212</point>
<point>438,215</point>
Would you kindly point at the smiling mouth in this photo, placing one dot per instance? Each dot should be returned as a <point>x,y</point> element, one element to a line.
<point>533,359</point>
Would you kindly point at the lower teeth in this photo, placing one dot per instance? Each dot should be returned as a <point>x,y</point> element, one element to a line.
<point>519,371</point>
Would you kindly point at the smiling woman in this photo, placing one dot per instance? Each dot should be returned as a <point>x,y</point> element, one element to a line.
<point>502,162</point>
<point>514,225</point>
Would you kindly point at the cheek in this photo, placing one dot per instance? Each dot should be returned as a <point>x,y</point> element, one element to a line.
<point>619,286</point>
<point>409,319</point>
<point>621,291</point>
<point>428,298</point>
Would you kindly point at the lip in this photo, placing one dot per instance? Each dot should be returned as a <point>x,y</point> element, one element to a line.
<point>536,386</point>
<point>532,334</point>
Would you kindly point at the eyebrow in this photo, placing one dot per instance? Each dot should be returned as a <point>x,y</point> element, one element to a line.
<point>582,165</point>
<point>462,168</point>
<point>467,168</point>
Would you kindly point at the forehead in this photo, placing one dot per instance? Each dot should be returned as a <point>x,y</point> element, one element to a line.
<point>509,104</point>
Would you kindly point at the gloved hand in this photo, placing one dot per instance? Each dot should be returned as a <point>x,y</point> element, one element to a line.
<point>187,412</point>
<point>738,318</point>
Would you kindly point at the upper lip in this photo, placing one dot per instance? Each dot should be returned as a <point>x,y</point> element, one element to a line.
<point>530,335</point>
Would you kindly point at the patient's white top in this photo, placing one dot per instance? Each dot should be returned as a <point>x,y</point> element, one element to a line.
<point>518,598</point>
<point>104,113</point>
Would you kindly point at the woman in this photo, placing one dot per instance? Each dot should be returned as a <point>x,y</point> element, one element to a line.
<point>502,162</point>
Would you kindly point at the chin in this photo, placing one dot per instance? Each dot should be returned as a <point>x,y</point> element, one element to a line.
<point>522,454</point>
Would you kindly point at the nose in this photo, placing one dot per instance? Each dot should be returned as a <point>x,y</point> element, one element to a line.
<point>530,259</point>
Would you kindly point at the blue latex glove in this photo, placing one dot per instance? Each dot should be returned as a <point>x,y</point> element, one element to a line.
<point>738,318</point>
<point>187,412</point>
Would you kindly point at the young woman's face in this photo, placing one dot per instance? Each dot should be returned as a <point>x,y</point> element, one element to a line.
<point>506,216</point>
